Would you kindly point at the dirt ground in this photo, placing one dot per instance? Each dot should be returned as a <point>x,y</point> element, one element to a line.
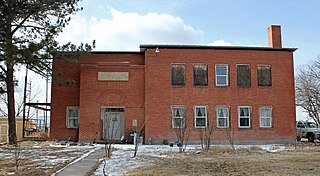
<point>303,159</point>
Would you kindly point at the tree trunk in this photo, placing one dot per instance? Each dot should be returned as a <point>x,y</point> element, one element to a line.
<point>11,109</point>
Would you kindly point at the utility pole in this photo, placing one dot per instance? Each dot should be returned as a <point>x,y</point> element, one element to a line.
<point>24,102</point>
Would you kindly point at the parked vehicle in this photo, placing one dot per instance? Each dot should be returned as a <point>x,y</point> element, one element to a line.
<point>307,130</point>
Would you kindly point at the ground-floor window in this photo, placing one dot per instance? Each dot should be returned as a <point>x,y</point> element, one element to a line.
<point>265,114</point>
<point>178,116</point>
<point>244,114</point>
<point>222,117</point>
<point>72,117</point>
<point>200,116</point>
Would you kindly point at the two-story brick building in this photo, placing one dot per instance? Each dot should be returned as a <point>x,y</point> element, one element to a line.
<point>248,91</point>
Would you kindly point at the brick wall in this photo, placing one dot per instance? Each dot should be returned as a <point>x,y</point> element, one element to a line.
<point>149,85</point>
<point>90,94</point>
<point>160,95</point>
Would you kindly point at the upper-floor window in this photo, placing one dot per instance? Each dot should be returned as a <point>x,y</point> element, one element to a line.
<point>222,75</point>
<point>222,117</point>
<point>244,115</point>
<point>72,117</point>
<point>178,74</point>
<point>178,116</point>
<point>243,75</point>
<point>264,75</point>
<point>265,114</point>
<point>200,74</point>
<point>200,116</point>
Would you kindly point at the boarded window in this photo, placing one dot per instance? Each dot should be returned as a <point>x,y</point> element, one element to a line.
<point>178,74</point>
<point>264,75</point>
<point>243,75</point>
<point>200,74</point>
<point>178,116</point>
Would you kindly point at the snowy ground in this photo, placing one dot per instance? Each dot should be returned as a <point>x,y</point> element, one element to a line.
<point>46,158</point>
<point>38,158</point>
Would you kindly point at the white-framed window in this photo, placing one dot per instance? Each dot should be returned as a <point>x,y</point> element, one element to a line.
<point>72,117</point>
<point>222,75</point>
<point>178,116</point>
<point>222,117</point>
<point>244,116</point>
<point>200,116</point>
<point>265,114</point>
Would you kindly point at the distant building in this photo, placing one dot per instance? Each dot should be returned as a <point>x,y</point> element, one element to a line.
<point>4,127</point>
<point>244,91</point>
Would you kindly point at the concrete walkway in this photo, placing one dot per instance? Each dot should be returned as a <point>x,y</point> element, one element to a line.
<point>83,166</point>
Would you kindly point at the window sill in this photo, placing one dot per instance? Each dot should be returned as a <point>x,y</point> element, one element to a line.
<point>244,127</point>
<point>266,128</point>
<point>200,86</point>
<point>222,128</point>
<point>244,86</point>
<point>264,87</point>
<point>222,86</point>
<point>178,86</point>
<point>200,127</point>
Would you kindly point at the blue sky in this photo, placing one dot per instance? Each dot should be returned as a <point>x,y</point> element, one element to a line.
<point>231,22</point>
<point>124,24</point>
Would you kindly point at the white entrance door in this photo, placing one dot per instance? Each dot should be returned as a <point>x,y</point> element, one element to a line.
<point>113,124</point>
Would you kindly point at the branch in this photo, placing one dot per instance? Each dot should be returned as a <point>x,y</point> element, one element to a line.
<point>20,24</point>
<point>32,26</point>
<point>3,69</point>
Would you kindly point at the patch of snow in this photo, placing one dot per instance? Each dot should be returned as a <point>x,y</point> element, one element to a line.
<point>122,161</point>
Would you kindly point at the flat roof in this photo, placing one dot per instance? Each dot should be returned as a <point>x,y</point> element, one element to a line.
<point>146,46</point>
<point>116,52</point>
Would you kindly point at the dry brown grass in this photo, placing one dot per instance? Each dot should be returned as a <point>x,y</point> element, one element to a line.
<point>245,161</point>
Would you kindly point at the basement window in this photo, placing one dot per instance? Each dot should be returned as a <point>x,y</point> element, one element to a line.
<point>222,117</point>
<point>72,117</point>
<point>265,114</point>
<point>243,75</point>
<point>222,75</point>
<point>264,75</point>
<point>200,116</point>
<point>178,74</point>
<point>200,74</point>
<point>178,116</point>
<point>244,114</point>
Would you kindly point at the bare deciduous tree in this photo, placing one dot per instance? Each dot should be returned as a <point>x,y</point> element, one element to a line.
<point>180,126</point>
<point>19,99</point>
<point>229,132</point>
<point>206,134</point>
<point>308,89</point>
<point>138,127</point>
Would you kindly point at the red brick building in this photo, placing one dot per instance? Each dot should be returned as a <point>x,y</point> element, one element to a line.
<point>244,91</point>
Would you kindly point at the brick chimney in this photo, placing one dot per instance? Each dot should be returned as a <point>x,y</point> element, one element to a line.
<point>274,36</point>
